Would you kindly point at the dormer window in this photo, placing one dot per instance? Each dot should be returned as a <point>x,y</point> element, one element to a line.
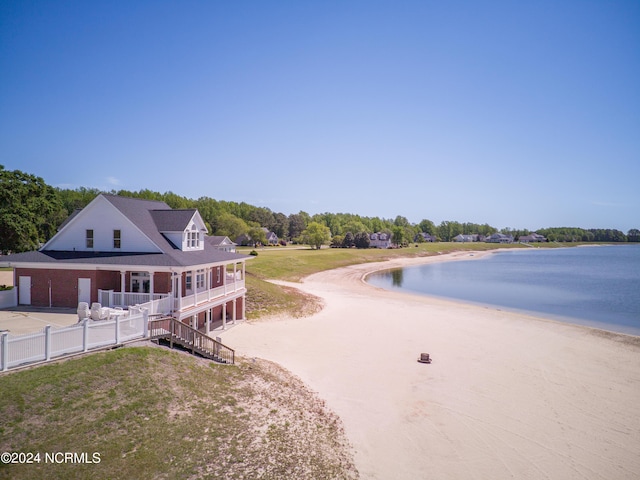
<point>195,241</point>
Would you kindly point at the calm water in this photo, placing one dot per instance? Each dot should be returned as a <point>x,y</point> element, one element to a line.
<point>594,286</point>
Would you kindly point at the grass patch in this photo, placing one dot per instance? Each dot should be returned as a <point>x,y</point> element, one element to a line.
<point>156,413</point>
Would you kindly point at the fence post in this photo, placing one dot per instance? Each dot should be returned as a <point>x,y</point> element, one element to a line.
<point>47,343</point>
<point>85,336</point>
<point>145,323</point>
<point>117,331</point>
<point>5,352</point>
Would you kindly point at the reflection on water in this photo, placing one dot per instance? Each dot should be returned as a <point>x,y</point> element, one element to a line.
<point>397,277</point>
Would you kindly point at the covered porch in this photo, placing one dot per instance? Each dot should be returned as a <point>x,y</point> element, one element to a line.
<point>174,292</point>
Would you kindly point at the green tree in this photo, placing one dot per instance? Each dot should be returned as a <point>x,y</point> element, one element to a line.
<point>316,235</point>
<point>427,226</point>
<point>297,223</point>
<point>633,235</point>
<point>362,240</point>
<point>398,236</point>
<point>30,211</point>
<point>229,225</point>
<point>349,240</point>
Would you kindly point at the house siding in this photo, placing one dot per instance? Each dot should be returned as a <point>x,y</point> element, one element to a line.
<point>103,218</point>
<point>64,286</point>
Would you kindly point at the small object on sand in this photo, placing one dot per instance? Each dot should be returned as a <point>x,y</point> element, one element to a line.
<point>424,358</point>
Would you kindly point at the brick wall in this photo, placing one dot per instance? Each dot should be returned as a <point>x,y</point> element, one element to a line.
<point>62,285</point>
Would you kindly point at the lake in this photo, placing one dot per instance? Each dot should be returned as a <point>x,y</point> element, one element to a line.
<point>596,286</point>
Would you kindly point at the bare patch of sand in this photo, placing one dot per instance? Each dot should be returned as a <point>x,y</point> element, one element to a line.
<point>507,395</point>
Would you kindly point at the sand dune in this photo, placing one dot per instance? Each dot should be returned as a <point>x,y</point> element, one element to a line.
<point>507,395</point>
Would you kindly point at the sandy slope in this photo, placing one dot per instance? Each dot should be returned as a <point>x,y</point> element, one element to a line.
<point>507,395</point>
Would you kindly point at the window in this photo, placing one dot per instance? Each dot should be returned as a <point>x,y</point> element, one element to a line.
<point>187,282</point>
<point>218,275</point>
<point>200,279</point>
<point>116,239</point>
<point>89,238</point>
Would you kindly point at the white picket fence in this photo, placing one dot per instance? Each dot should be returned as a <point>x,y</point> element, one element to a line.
<point>19,350</point>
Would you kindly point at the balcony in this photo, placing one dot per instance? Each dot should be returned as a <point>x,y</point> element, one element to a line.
<point>162,302</point>
<point>205,296</point>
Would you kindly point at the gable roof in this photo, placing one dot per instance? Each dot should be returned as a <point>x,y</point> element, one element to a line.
<point>172,220</point>
<point>217,240</point>
<point>148,216</point>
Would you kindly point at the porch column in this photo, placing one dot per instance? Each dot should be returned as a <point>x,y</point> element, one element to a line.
<point>235,276</point>
<point>207,321</point>
<point>194,321</point>
<point>208,271</point>
<point>151,286</point>
<point>224,316</point>
<point>235,307</point>
<point>224,279</point>
<point>178,294</point>
<point>123,287</point>
<point>244,303</point>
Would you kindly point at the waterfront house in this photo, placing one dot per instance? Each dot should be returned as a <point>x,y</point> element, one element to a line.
<point>380,240</point>
<point>465,238</point>
<point>122,252</point>
<point>499,238</point>
<point>425,237</point>
<point>533,237</point>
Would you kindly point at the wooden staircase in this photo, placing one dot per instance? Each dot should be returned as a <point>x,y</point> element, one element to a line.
<point>176,332</point>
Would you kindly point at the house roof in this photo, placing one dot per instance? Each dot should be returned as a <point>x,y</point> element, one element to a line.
<point>217,240</point>
<point>172,220</point>
<point>176,259</point>
<point>151,217</point>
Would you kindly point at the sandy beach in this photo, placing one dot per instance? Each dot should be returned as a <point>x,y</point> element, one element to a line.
<point>507,395</point>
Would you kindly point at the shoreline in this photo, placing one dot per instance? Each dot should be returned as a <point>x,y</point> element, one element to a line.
<point>505,396</point>
<point>540,316</point>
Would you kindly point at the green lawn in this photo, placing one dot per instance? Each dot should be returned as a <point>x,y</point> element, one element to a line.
<point>156,413</point>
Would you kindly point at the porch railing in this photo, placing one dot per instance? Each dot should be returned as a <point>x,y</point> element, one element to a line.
<point>208,295</point>
<point>161,302</point>
<point>174,331</point>
<point>110,298</point>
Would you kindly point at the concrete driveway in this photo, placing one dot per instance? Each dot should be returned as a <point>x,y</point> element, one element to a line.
<point>21,320</point>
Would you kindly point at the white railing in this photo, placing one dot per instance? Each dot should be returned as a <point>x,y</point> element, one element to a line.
<point>208,295</point>
<point>17,350</point>
<point>110,298</point>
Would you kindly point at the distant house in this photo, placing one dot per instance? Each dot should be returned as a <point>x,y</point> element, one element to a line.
<point>221,243</point>
<point>499,238</point>
<point>272,238</point>
<point>380,240</point>
<point>425,237</point>
<point>245,239</point>
<point>465,238</point>
<point>533,237</point>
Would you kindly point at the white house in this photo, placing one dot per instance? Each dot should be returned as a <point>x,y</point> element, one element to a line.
<point>121,251</point>
<point>380,240</point>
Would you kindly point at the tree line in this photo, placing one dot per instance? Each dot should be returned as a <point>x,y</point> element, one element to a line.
<point>31,212</point>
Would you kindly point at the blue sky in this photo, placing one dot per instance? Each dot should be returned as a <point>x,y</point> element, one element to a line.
<point>517,114</point>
